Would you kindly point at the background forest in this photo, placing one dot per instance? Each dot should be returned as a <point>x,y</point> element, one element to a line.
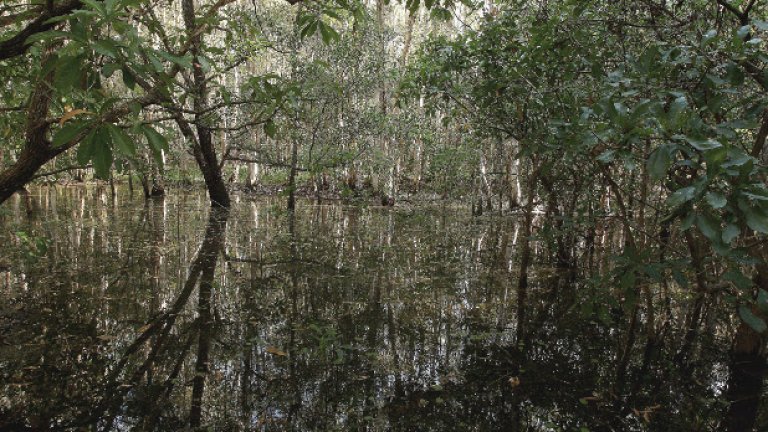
<point>626,140</point>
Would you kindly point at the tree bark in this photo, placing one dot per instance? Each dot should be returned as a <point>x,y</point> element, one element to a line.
<point>205,153</point>
<point>37,149</point>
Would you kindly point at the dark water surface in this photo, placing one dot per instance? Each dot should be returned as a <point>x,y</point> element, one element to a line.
<point>121,315</point>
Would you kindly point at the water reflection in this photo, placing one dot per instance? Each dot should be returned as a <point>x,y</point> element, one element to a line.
<point>166,315</point>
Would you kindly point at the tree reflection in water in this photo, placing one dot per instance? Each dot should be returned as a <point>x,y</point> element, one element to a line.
<point>332,318</point>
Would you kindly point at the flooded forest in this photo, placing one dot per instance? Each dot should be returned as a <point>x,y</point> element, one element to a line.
<point>373,215</point>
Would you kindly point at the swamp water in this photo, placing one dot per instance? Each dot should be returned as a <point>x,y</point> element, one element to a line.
<point>126,315</point>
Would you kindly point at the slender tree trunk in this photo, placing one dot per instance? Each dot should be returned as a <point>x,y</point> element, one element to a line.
<point>525,255</point>
<point>292,176</point>
<point>408,38</point>
<point>203,148</point>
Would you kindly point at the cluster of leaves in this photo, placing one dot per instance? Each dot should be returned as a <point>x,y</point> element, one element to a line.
<point>682,103</point>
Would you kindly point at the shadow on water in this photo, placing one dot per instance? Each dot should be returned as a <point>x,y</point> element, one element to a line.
<point>166,316</point>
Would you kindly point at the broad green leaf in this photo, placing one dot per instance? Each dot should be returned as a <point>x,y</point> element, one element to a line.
<point>270,128</point>
<point>755,217</point>
<point>730,232</point>
<point>659,162</point>
<point>703,144</point>
<point>739,280</point>
<point>109,69</point>
<point>106,48</point>
<point>328,33</point>
<point>85,149</point>
<point>123,143</point>
<point>709,226</point>
<point>752,320</point>
<point>681,196</point>
<point>156,140</point>
<point>69,72</point>
<point>68,133</point>
<point>309,29</point>
<point>677,107</point>
<point>184,62</point>
<point>128,79</point>
<point>762,300</point>
<point>102,153</point>
<point>606,156</point>
<point>716,199</point>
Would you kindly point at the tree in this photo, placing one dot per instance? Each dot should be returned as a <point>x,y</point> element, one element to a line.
<point>76,50</point>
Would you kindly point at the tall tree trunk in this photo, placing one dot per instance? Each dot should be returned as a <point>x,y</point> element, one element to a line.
<point>525,254</point>
<point>203,149</point>
<point>292,176</point>
<point>408,39</point>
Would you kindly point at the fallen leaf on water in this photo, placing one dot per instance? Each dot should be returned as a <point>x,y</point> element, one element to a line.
<point>276,351</point>
<point>105,338</point>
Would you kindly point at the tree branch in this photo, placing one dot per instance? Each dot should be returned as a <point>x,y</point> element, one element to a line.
<point>17,45</point>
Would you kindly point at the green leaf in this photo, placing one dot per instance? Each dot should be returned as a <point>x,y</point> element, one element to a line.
<point>270,128</point>
<point>67,133</point>
<point>69,72</point>
<point>109,69</point>
<point>309,29</point>
<point>677,107</point>
<point>155,139</point>
<point>606,156</point>
<point>123,143</point>
<point>752,320</point>
<point>716,199</point>
<point>703,144</point>
<point>128,79</point>
<point>85,149</point>
<point>106,48</point>
<point>185,62</point>
<point>762,300</point>
<point>730,232</point>
<point>328,33</point>
<point>755,216</point>
<point>709,226</point>
<point>102,153</point>
<point>680,278</point>
<point>681,196</point>
<point>659,162</point>
<point>739,280</point>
